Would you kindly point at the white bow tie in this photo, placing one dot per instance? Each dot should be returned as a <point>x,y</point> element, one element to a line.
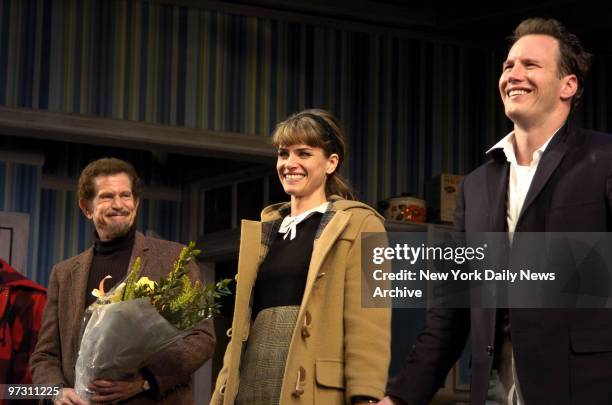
<point>289,224</point>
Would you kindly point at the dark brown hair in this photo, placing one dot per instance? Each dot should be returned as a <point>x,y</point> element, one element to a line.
<point>573,58</point>
<point>315,127</point>
<point>106,167</point>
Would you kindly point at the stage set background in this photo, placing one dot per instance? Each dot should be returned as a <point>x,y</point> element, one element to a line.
<point>413,105</point>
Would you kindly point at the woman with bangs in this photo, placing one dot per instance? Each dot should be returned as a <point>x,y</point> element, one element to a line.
<point>299,334</point>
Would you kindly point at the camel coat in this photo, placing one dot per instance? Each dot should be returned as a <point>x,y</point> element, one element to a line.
<point>56,352</point>
<point>338,349</point>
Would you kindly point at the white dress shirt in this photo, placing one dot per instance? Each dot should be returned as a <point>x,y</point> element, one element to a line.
<point>519,181</point>
<point>520,177</point>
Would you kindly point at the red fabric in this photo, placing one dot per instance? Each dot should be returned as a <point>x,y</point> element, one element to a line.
<point>21,307</point>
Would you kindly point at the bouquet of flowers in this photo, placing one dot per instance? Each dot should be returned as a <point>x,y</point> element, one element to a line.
<point>139,317</point>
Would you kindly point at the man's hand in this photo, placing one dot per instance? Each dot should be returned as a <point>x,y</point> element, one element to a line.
<point>69,397</point>
<point>386,401</point>
<point>112,391</point>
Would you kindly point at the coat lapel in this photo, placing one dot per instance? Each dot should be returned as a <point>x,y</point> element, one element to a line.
<point>550,160</point>
<point>78,278</point>
<point>497,186</point>
<point>251,252</point>
<point>321,248</point>
<point>141,249</point>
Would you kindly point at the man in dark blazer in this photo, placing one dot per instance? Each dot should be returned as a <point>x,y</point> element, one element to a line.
<point>109,195</point>
<point>545,176</point>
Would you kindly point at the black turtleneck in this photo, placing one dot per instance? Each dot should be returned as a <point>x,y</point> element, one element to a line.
<point>110,258</point>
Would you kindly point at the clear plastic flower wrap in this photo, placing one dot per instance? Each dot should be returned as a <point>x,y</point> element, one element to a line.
<point>139,317</point>
<point>118,340</point>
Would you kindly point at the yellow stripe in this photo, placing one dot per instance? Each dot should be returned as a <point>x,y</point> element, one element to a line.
<point>152,66</point>
<point>121,11</point>
<point>204,70</point>
<point>13,41</point>
<point>85,60</point>
<point>264,100</point>
<point>219,79</point>
<point>68,55</point>
<point>251,72</point>
<point>134,96</point>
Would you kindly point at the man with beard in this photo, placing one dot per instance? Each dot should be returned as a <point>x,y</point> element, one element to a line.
<point>109,195</point>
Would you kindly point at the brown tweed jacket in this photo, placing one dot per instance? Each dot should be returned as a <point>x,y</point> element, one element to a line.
<point>54,358</point>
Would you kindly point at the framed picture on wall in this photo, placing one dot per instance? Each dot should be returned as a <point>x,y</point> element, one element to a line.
<point>6,242</point>
<point>14,232</point>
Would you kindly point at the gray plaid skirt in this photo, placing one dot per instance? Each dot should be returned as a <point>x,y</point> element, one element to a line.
<point>263,365</point>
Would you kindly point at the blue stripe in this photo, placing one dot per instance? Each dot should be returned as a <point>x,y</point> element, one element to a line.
<point>209,122</point>
<point>45,239</point>
<point>144,66</point>
<point>43,88</point>
<point>4,37</point>
<point>129,61</point>
<point>165,64</point>
<point>259,73</point>
<point>274,60</point>
<point>182,67</point>
<point>78,58</point>
<point>97,84</point>
<point>24,97</point>
<point>110,27</point>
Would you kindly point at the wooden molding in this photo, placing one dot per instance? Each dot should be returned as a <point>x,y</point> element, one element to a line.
<point>134,134</point>
<point>35,159</point>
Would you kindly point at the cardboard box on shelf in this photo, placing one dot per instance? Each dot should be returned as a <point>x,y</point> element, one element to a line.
<point>442,194</point>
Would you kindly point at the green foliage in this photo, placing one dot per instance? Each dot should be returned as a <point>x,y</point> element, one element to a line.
<point>181,301</point>
<point>212,293</point>
<point>130,283</point>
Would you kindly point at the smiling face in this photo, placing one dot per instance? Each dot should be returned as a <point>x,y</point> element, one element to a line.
<point>113,208</point>
<point>303,170</point>
<point>531,85</point>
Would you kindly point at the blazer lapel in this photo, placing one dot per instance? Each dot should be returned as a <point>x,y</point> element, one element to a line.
<point>550,160</point>
<point>141,249</point>
<point>78,278</point>
<point>497,186</point>
<point>320,250</point>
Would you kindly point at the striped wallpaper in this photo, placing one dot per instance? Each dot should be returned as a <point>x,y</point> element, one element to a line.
<point>412,108</point>
<point>20,192</point>
<point>160,217</point>
<point>66,232</point>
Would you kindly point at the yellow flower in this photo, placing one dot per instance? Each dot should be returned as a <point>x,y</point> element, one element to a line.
<point>145,283</point>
